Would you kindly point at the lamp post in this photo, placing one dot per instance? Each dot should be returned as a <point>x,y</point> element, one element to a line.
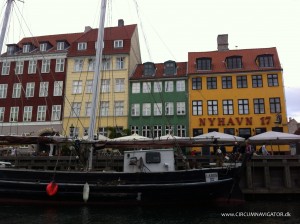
<point>72,130</point>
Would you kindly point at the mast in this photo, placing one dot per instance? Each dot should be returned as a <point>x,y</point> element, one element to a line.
<point>96,80</point>
<point>5,22</point>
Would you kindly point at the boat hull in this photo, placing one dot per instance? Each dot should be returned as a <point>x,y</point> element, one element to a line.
<point>180,187</point>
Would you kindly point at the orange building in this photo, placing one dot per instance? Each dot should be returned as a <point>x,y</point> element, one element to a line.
<point>238,92</point>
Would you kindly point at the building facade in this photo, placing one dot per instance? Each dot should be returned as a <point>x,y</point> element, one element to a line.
<point>121,53</point>
<point>158,99</point>
<point>32,83</point>
<point>239,92</point>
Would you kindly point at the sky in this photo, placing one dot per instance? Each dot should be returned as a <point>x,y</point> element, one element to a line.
<point>169,29</point>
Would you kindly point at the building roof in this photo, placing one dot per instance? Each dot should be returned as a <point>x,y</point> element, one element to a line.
<point>249,57</point>
<point>159,71</point>
<point>124,33</point>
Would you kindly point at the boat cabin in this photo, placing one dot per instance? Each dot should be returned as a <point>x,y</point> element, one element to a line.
<point>155,160</point>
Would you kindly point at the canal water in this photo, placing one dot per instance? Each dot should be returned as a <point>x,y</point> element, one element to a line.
<point>258,212</point>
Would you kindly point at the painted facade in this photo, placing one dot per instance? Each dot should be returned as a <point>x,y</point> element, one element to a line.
<point>121,53</point>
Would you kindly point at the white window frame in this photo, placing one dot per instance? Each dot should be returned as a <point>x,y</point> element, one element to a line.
<point>43,47</point>
<point>169,108</point>
<point>136,87</point>
<point>118,43</point>
<point>45,66</point>
<point>41,113</point>
<point>180,86</point>
<point>120,63</point>
<point>17,90</point>
<point>181,109</point>
<point>19,67</point>
<point>26,48</point>
<point>2,111</point>
<point>5,68</point>
<point>77,87</point>
<point>119,108</point>
<point>104,108</point>
<point>135,109</point>
<point>89,86</point>
<point>146,109</point>
<point>157,87</point>
<point>146,87</point>
<point>106,64</point>
<point>60,46</point>
<point>157,109</point>
<point>32,66</point>
<point>119,85</point>
<point>105,85</point>
<point>30,89</point>
<point>3,91</point>
<point>75,110</point>
<point>91,65</point>
<point>56,113</point>
<point>82,46</point>
<point>58,88</point>
<point>14,114</point>
<point>169,86</point>
<point>27,114</point>
<point>88,109</point>
<point>78,65</point>
<point>60,65</point>
<point>44,86</point>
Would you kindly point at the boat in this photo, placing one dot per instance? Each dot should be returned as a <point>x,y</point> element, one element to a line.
<point>149,174</point>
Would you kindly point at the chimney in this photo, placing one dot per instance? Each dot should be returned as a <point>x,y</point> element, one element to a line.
<point>222,42</point>
<point>120,22</point>
<point>87,28</point>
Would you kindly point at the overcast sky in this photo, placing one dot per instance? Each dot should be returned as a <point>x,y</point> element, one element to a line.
<point>169,29</point>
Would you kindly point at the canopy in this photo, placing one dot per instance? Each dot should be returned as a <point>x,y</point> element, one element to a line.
<point>275,138</point>
<point>171,137</point>
<point>218,137</point>
<point>131,137</point>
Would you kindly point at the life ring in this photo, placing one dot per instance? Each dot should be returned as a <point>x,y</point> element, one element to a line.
<point>52,188</point>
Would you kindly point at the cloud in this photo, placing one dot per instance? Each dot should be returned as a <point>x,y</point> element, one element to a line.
<point>293,102</point>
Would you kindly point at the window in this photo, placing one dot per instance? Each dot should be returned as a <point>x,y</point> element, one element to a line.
<point>181,130</point>
<point>197,131</point>
<point>27,114</point>
<point>118,43</point>
<point>119,108</point>
<point>136,87</point>
<point>26,48</point>
<point>243,106</point>
<point>88,109</point>
<point>203,63</point>
<point>234,62</point>
<point>153,157</point>
<point>227,107</point>
<point>227,82</point>
<point>265,61</point>
<point>119,85</point>
<point>146,109</point>
<point>180,86</point>
<point>169,86</point>
<point>259,106</point>
<point>104,106</point>
<point>16,90</point>
<point>135,109</point>
<point>149,69</point>
<point>3,91</point>
<point>212,107</point>
<point>146,131</point>
<point>211,82</point>
<point>5,68</point>
<point>77,87</point>
<point>91,66</point>
<point>2,110</point>
<point>157,87</point>
<point>134,129</point>
<point>257,81</point>
<point>169,108</point>
<point>45,66</point>
<point>19,67</point>
<point>120,63</point>
<point>89,86</point>
<point>60,65</point>
<point>169,129</point>
<point>275,106</point>
<point>180,108</point>
<point>41,113</point>
<point>170,67</point>
<point>58,87</point>
<point>157,131</point>
<point>82,46</point>
<point>32,67</point>
<point>30,89</point>
<point>146,87</point>
<point>105,84</point>
<point>197,107</point>
<point>44,89</point>
<point>14,113</point>
<point>196,83</point>
<point>60,46</point>
<point>106,63</point>
<point>241,81</point>
<point>75,110</point>
<point>157,109</point>
<point>43,47</point>
<point>56,112</point>
<point>78,65</point>
<point>273,80</point>
<point>229,131</point>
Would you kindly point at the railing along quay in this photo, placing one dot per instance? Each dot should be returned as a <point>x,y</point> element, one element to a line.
<point>278,174</point>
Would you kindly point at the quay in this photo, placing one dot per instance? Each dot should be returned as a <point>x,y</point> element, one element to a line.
<point>262,175</point>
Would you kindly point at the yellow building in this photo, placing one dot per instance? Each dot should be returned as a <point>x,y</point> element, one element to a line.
<point>121,53</point>
<point>238,92</point>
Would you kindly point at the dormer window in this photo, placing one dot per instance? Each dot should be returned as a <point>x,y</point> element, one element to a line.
<point>265,61</point>
<point>12,48</point>
<point>43,47</point>
<point>82,46</point>
<point>118,43</point>
<point>26,48</point>
<point>234,62</point>
<point>170,67</point>
<point>149,69</point>
<point>60,46</point>
<point>203,63</point>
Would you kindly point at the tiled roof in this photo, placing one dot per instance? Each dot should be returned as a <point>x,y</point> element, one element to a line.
<point>159,72</point>
<point>124,33</point>
<point>219,57</point>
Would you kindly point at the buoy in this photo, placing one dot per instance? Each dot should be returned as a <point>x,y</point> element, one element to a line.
<point>51,188</point>
<point>86,192</point>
